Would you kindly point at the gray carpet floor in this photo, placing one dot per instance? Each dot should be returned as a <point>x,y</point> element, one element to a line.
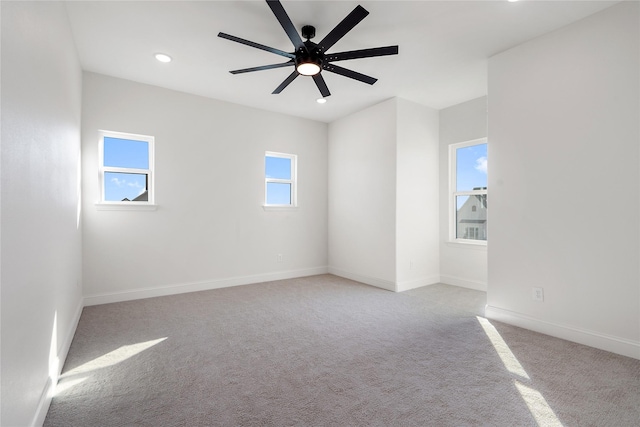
<point>326,351</point>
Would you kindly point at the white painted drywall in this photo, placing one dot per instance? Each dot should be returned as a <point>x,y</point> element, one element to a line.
<point>417,190</point>
<point>210,229</point>
<point>362,195</point>
<point>41,236</point>
<point>564,182</point>
<point>460,264</point>
<point>383,195</point>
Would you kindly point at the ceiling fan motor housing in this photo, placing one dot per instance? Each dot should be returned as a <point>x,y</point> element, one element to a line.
<point>310,55</point>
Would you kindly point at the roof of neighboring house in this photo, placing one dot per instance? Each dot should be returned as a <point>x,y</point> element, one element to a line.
<point>143,197</point>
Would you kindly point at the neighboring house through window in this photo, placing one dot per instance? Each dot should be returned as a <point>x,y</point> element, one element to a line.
<point>280,172</point>
<point>126,168</point>
<point>468,191</point>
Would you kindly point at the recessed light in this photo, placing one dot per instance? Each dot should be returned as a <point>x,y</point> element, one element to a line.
<point>163,57</point>
<point>321,100</point>
<point>512,1</point>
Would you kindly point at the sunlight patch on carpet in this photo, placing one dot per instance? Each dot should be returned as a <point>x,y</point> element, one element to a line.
<point>538,406</point>
<point>534,400</point>
<point>67,384</point>
<point>508,359</point>
<point>114,357</point>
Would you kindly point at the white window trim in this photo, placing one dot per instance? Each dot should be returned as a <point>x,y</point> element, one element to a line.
<point>293,182</point>
<point>453,193</point>
<point>102,204</point>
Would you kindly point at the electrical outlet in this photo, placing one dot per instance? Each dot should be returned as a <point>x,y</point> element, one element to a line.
<point>537,294</point>
<point>279,258</point>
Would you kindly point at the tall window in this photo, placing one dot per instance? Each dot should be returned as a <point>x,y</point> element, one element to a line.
<point>280,179</point>
<point>126,168</point>
<point>468,191</point>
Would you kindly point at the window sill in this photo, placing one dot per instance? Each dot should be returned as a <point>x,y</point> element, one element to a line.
<point>275,208</point>
<point>480,246</point>
<point>131,206</point>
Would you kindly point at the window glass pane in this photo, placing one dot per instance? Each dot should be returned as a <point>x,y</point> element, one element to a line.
<point>125,187</point>
<point>277,167</point>
<point>471,217</point>
<point>278,193</point>
<point>471,167</point>
<point>126,153</point>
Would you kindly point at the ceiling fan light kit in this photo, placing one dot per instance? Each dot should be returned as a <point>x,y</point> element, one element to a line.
<point>308,68</point>
<point>309,58</point>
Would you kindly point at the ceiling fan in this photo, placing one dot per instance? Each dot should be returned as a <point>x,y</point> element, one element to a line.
<point>309,58</point>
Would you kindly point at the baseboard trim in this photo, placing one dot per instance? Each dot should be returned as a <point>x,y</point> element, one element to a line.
<point>43,404</point>
<point>50,386</point>
<point>463,283</point>
<point>63,350</point>
<point>416,283</point>
<point>367,280</point>
<point>605,342</point>
<point>207,285</point>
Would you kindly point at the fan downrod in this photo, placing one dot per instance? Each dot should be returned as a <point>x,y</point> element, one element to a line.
<point>308,32</point>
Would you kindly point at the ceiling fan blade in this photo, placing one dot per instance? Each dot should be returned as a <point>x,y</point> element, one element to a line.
<point>352,19</point>
<point>322,85</point>
<point>363,53</point>
<point>256,45</point>
<point>349,73</point>
<point>287,25</point>
<point>286,82</point>
<point>262,67</point>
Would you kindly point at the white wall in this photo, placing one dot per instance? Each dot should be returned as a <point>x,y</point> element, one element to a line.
<point>417,218</point>
<point>460,264</point>
<point>383,186</point>
<point>41,236</point>
<point>362,195</point>
<point>210,229</point>
<point>564,182</point>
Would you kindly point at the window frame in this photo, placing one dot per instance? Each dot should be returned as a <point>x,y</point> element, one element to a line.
<point>454,194</point>
<point>103,204</point>
<point>293,181</point>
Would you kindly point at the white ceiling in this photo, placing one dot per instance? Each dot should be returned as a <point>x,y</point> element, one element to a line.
<point>444,47</point>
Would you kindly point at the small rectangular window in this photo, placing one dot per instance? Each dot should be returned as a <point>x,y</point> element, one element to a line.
<point>126,168</point>
<point>280,179</point>
<point>468,191</point>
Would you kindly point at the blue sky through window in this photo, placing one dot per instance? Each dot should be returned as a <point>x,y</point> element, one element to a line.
<point>471,170</point>
<point>118,186</point>
<point>277,167</point>
<point>471,167</point>
<point>125,153</point>
<point>278,193</point>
